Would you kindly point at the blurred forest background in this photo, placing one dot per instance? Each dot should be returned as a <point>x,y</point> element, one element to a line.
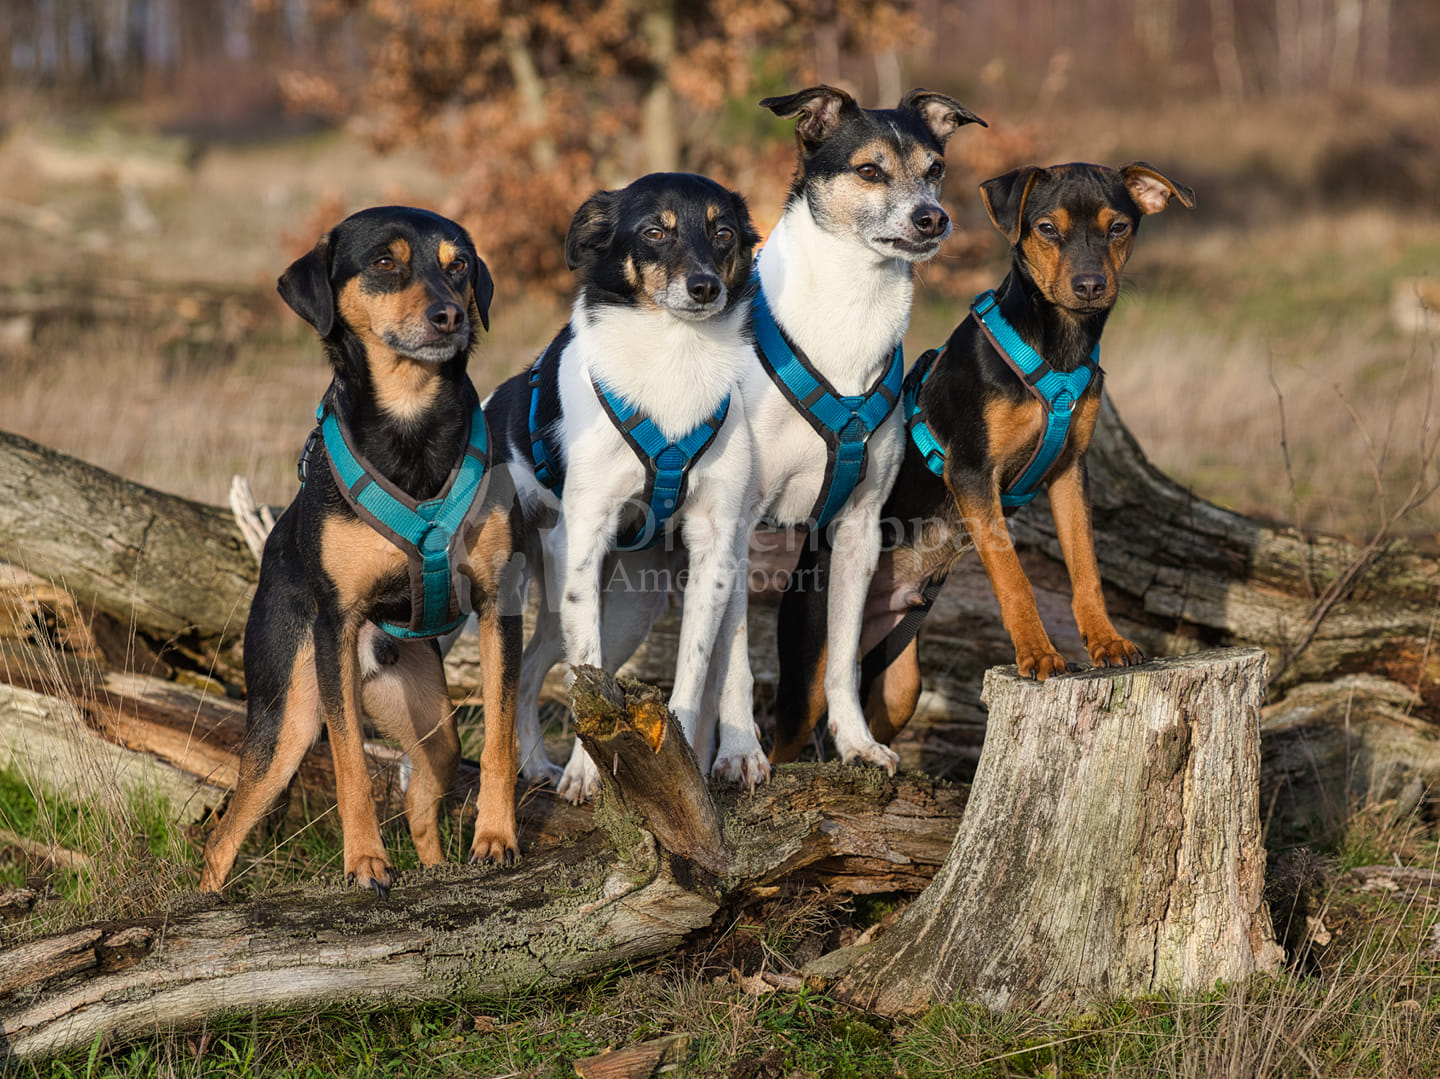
<point>161,161</point>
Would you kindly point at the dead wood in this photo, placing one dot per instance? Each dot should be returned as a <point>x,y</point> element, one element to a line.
<point>1111,845</point>
<point>607,896</point>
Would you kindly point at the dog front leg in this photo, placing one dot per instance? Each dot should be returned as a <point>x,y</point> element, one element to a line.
<point>337,668</point>
<point>711,545</point>
<point>1070,505</point>
<point>740,758</point>
<point>588,534</point>
<point>855,555</point>
<point>979,505</point>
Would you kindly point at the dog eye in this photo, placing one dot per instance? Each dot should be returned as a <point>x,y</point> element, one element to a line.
<point>868,172</point>
<point>1047,229</point>
<point>936,170</point>
<point>654,234</point>
<point>724,234</point>
<point>385,264</point>
<point>457,267</point>
<point>1118,229</point>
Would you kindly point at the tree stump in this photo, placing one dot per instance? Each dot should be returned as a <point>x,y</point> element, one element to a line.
<point>1111,845</point>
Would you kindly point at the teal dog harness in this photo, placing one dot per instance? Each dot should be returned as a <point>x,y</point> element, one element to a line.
<point>667,464</point>
<point>845,423</point>
<point>1057,391</point>
<point>429,532</point>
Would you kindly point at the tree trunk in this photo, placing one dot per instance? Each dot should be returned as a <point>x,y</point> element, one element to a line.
<point>174,571</point>
<point>609,897</point>
<point>1111,845</point>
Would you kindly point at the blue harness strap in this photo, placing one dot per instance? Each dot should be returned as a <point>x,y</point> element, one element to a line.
<point>845,423</point>
<point>1057,391</point>
<point>667,464</point>
<point>426,531</point>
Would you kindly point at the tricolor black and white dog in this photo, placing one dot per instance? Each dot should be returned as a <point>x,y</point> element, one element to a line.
<point>631,419</point>
<point>820,393</point>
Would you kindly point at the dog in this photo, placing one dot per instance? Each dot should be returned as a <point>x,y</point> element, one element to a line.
<point>1006,407</point>
<point>821,391</point>
<point>630,418</point>
<point>355,579</point>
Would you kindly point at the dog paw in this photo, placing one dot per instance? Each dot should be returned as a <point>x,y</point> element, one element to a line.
<point>1039,664</point>
<point>494,848</point>
<point>1117,652</point>
<point>580,780</point>
<point>375,873</point>
<point>746,769</point>
<point>867,751</point>
<point>543,773</point>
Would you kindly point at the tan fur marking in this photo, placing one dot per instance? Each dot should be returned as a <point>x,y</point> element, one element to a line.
<point>894,694</point>
<point>1012,432</point>
<point>668,219</point>
<point>400,249</point>
<point>446,253</point>
<point>403,387</point>
<point>356,557</point>
<point>815,706</point>
<point>1034,654</point>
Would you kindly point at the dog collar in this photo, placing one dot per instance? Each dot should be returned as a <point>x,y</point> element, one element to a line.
<point>667,464</point>
<point>428,532</point>
<point>1057,391</point>
<point>845,423</point>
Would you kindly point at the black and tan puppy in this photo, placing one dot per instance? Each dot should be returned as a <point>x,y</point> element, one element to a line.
<point>1005,409</point>
<point>394,536</point>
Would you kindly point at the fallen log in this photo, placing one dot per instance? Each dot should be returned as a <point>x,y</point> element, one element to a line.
<point>609,896</point>
<point>1111,846</point>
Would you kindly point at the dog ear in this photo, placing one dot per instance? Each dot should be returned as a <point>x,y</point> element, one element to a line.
<point>592,228</point>
<point>305,286</point>
<point>942,115</point>
<point>1151,189</point>
<point>1004,199</point>
<point>820,109</point>
<point>482,288</point>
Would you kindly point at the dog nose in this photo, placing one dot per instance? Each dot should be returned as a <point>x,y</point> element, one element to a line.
<point>929,221</point>
<point>445,317</point>
<point>1088,286</point>
<point>703,287</point>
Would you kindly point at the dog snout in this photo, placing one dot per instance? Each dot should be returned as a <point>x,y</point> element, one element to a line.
<point>445,316</point>
<point>930,221</point>
<point>704,288</point>
<point>1088,286</point>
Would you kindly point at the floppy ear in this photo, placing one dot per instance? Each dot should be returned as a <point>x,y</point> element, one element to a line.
<point>592,228</point>
<point>1004,199</point>
<point>305,286</point>
<point>1151,189</point>
<point>942,115</point>
<point>482,287</point>
<point>820,109</point>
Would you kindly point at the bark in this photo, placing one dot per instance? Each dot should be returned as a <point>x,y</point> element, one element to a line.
<point>1111,845</point>
<point>175,571</point>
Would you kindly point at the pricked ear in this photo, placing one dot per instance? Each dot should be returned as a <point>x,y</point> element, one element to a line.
<point>305,286</point>
<point>942,115</point>
<point>1151,189</point>
<point>1004,199</point>
<point>592,228</point>
<point>482,287</point>
<point>820,109</point>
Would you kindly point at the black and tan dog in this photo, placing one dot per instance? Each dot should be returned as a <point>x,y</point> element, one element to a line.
<point>1005,408</point>
<point>395,526</point>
